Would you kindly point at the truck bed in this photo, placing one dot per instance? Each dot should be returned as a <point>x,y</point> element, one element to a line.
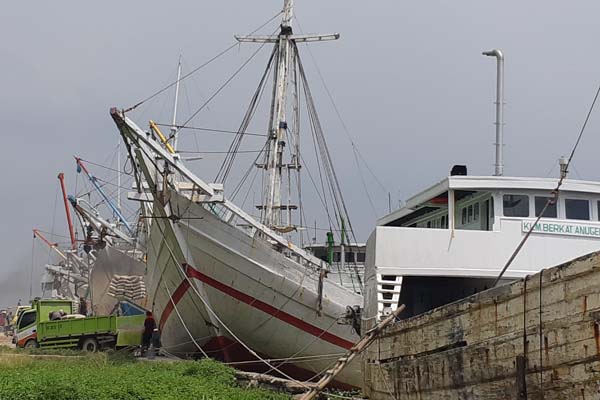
<point>68,332</point>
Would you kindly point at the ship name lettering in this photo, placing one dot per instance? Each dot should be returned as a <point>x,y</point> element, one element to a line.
<point>579,230</point>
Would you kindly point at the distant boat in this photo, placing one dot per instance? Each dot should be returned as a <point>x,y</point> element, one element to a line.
<point>87,268</point>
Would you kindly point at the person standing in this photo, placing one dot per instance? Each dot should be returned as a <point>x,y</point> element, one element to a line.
<point>2,320</point>
<point>149,326</point>
<point>83,306</point>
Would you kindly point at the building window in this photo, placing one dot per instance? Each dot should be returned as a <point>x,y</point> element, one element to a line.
<point>349,256</point>
<point>516,205</point>
<point>337,257</point>
<point>476,212</point>
<point>360,257</point>
<point>445,220</point>
<point>540,202</point>
<point>577,209</point>
<point>464,216</point>
<point>470,213</point>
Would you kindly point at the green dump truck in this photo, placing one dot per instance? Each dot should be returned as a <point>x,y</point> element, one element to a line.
<point>36,329</point>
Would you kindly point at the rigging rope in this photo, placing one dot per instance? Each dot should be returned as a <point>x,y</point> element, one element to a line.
<point>327,161</point>
<point>554,196</point>
<point>314,136</point>
<point>197,128</point>
<point>323,198</point>
<point>364,184</point>
<point>293,356</point>
<point>209,309</point>
<point>105,167</point>
<point>219,152</point>
<point>199,67</point>
<point>339,115</point>
<point>224,84</point>
<point>248,172</point>
<point>335,356</point>
<point>237,141</point>
<point>183,322</point>
<point>322,144</point>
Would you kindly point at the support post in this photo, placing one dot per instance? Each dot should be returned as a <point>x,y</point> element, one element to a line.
<point>451,210</point>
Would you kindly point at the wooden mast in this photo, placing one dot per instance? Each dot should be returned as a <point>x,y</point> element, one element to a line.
<point>278,129</point>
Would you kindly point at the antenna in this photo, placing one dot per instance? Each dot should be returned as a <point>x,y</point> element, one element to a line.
<point>499,166</point>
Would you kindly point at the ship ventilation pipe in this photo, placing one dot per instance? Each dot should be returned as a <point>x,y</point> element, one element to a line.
<point>499,166</point>
<point>564,165</point>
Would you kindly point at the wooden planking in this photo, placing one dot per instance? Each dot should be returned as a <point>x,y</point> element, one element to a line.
<point>469,349</point>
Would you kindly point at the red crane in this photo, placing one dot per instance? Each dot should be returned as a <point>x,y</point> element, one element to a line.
<point>61,178</point>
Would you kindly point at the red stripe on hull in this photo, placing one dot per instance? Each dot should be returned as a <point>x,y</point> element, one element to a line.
<point>269,309</point>
<point>247,299</point>
<point>175,298</point>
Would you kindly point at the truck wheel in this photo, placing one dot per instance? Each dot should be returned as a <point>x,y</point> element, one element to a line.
<point>31,344</point>
<point>90,345</point>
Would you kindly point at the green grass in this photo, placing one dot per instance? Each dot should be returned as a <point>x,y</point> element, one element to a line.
<point>103,376</point>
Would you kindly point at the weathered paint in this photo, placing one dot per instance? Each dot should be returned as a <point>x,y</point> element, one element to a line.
<point>469,349</point>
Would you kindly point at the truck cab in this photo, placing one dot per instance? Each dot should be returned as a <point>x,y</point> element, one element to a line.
<point>27,323</point>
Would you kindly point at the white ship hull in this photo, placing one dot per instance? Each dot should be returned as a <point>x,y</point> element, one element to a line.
<point>183,320</point>
<point>265,298</point>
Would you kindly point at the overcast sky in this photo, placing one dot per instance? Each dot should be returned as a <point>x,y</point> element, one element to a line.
<point>407,77</point>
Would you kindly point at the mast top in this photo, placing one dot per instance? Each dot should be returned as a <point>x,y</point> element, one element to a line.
<point>288,7</point>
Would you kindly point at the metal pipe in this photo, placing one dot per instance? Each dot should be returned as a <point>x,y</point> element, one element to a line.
<point>54,246</point>
<point>499,166</point>
<point>61,178</point>
<point>92,178</point>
